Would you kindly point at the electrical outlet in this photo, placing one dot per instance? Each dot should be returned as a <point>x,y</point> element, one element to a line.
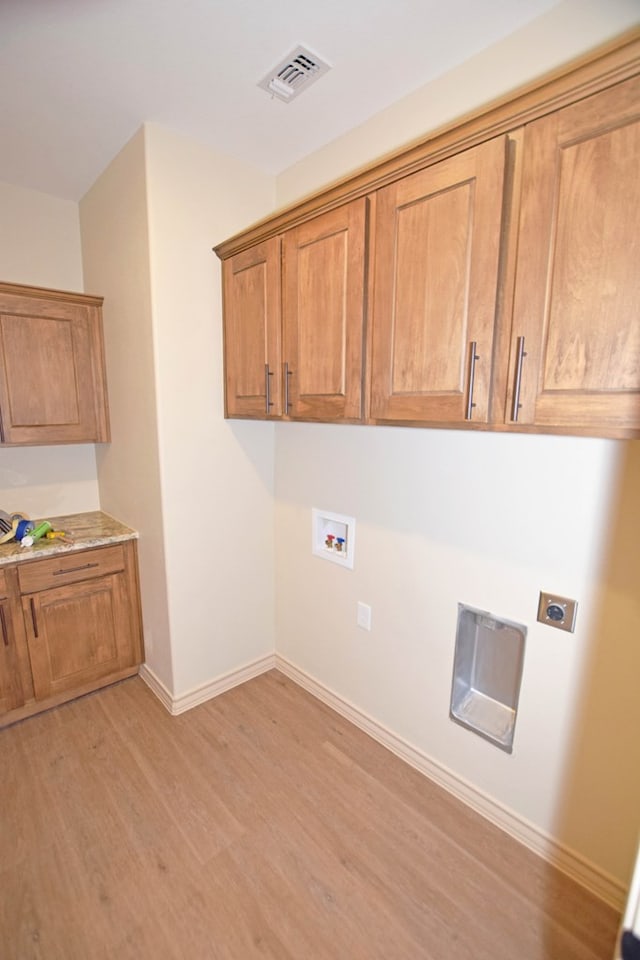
<point>364,615</point>
<point>557,611</point>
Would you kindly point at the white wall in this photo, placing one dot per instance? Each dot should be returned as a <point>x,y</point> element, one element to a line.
<point>217,476</point>
<point>488,520</point>
<point>115,240</point>
<point>40,246</point>
<point>198,489</point>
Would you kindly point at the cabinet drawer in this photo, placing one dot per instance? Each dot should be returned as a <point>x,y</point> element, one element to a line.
<point>70,568</point>
<point>4,590</point>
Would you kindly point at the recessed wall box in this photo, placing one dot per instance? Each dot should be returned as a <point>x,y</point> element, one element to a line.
<point>487,671</point>
<point>333,537</point>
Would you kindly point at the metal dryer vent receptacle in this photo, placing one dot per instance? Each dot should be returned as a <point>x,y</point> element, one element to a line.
<point>487,672</point>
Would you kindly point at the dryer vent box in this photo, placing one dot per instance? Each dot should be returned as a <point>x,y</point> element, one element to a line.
<point>487,671</point>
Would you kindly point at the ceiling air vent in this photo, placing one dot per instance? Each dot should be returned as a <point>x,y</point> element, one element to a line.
<point>294,74</point>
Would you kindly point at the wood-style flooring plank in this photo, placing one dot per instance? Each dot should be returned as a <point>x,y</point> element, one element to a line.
<point>519,869</point>
<point>258,826</point>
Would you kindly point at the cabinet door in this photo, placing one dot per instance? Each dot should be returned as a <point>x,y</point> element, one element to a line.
<point>577,294</point>
<point>251,283</point>
<point>437,252</point>
<point>324,286</point>
<point>52,387</point>
<point>78,634</point>
<point>11,635</point>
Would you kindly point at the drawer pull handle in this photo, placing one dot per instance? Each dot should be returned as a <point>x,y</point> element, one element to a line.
<point>267,389</point>
<point>33,617</point>
<point>83,566</point>
<point>473,356</point>
<point>3,624</point>
<point>520,355</point>
<point>287,373</point>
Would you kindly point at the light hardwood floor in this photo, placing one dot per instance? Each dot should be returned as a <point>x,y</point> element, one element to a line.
<point>258,825</point>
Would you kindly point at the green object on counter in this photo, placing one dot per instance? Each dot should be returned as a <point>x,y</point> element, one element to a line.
<point>40,530</point>
<point>36,533</point>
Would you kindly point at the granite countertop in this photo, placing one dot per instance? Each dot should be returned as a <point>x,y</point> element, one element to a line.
<point>85,530</point>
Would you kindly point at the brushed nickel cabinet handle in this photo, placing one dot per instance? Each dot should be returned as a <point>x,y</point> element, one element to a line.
<point>473,356</point>
<point>287,373</point>
<point>83,566</point>
<point>34,619</point>
<point>520,355</point>
<point>267,388</point>
<point>3,624</point>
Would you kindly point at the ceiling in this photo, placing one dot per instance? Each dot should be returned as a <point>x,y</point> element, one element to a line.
<point>79,77</point>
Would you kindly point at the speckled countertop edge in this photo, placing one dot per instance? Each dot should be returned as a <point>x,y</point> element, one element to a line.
<point>86,530</point>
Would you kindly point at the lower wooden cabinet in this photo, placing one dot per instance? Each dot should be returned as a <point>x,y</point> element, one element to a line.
<point>12,646</point>
<point>70,624</point>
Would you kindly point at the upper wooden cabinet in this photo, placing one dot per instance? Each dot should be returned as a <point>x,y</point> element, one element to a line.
<point>293,321</point>
<point>252,332</point>
<point>576,317</point>
<point>495,264</point>
<point>323,315</point>
<point>437,250</point>
<point>52,379</point>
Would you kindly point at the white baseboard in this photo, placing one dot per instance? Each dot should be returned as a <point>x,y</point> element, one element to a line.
<point>602,884</point>
<point>157,686</point>
<point>206,691</point>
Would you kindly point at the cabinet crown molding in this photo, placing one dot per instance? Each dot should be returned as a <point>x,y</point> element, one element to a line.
<point>44,293</point>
